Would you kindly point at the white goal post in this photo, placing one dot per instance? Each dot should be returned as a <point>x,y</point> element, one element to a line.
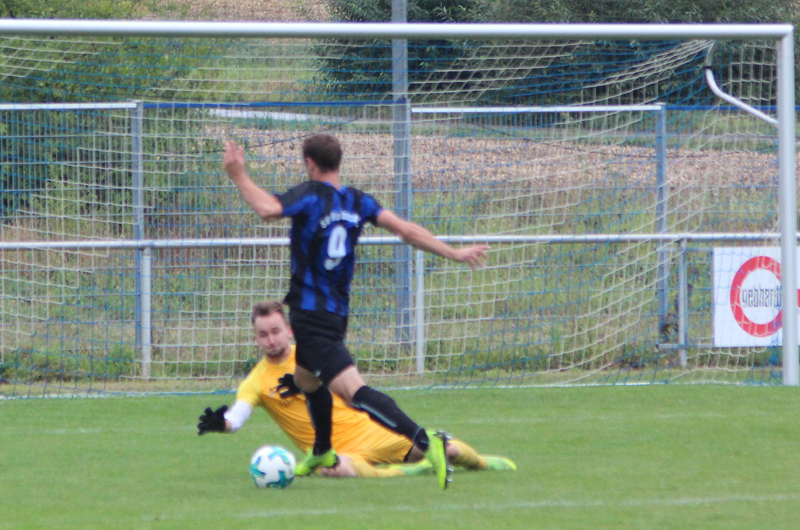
<point>784,122</point>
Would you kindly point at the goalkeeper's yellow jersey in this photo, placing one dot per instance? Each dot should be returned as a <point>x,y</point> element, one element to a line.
<point>354,434</point>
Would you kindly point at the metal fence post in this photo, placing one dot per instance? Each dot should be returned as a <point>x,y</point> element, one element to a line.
<point>141,257</point>
<point>401,110</point>
<point>683,307</point>
<point>662,196</point>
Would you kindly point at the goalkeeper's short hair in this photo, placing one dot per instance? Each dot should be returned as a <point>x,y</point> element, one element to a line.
<point>263,309</point>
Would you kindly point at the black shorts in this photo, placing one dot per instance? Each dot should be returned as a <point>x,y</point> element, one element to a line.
<point>319,336</point>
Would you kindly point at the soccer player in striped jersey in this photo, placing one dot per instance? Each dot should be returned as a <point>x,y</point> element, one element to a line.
<point>365,449</point>
<point>326,221</point>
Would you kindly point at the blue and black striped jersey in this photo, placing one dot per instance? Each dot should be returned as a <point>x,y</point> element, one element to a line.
<point>326,224</point>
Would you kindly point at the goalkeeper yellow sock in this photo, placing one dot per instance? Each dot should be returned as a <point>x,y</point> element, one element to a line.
<point>423,467</point>
<point>467,457</point>
<point>364,470</point>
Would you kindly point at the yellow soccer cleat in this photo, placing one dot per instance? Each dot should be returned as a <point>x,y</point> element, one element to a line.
<point>311,462</point>
<point>437,456</point>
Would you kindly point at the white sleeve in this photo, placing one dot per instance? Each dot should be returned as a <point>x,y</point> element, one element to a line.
<point>238,415</point>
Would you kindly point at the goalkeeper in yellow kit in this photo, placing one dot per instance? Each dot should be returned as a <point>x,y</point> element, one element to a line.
<point>364,448</point>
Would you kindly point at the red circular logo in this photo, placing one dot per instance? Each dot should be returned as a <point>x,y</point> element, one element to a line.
<point>750,327</point>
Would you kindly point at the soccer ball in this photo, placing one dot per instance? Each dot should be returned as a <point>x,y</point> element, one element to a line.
<point>272,466</point>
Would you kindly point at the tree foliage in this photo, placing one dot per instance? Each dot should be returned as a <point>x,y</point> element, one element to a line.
<point>367,65</point>
<point>633,11</point>
<point>367,68</point>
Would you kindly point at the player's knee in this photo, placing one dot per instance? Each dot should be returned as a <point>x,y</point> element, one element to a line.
<point>306,381</point>
<point>347,384</point>
<point>452,452</point>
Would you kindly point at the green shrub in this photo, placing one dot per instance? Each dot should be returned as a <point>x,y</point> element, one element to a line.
<point>82,9</point>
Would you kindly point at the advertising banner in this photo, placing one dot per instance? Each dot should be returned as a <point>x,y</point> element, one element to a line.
<point>747,296</point>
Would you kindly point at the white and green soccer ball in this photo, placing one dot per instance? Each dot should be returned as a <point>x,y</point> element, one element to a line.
<point>272,466</point>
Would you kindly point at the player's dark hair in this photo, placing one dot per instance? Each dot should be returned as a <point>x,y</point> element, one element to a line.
<point>264,309</point>
<point>325,150</point>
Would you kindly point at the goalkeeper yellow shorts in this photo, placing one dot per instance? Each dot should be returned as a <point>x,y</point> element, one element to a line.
<point>392,452</point>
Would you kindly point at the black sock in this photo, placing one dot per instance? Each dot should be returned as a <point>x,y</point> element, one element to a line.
<point>320,409</point>
<point>421,440</point>
<point>382,409</point>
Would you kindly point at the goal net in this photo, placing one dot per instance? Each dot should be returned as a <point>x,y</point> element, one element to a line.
<point>606,175</point>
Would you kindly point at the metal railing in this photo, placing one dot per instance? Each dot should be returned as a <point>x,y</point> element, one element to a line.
<point>668,245</point>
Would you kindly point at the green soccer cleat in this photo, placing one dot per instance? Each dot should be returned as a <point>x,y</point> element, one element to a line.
<point>311,462</point>
<point>500,463</point>
<point>437,456</point>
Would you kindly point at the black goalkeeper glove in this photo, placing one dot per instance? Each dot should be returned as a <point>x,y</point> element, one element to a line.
<point>212,420</point>
<point>286,386</point>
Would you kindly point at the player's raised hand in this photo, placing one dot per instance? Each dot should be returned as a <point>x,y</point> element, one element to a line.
<point>474,256</point>
<point>233,159</point>
<point>212,420</point>
<point>266,205</point>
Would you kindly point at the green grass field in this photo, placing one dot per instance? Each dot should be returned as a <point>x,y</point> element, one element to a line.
<point>649,457</point>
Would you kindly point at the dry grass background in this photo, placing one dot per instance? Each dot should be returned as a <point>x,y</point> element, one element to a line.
<point>541,164</point>
<point>249,10</point>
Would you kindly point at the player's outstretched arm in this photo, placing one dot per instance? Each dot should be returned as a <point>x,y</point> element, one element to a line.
<point>265,204</point>
<point>418,237</point>
<point>224,419</point>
